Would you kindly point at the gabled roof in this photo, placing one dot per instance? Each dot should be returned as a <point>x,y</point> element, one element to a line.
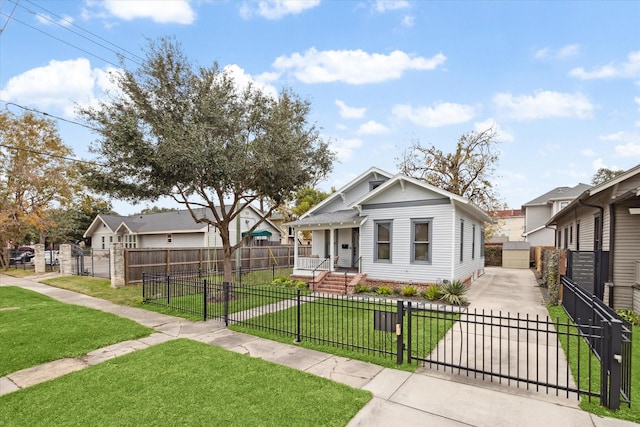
<point>347,217</point>
<point>558,193</point>
<point>591,191</point>
<point>179,221</point>
<point>460,201</point>
<point>371,171</point>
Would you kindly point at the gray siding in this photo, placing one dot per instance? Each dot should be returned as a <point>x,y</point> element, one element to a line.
<point>353,194</point>
<point>186,240</point>
<point>470,264</point>
<point>401,267</point>
<point>626,253</point>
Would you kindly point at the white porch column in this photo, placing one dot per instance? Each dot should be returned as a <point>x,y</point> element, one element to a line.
<point>295,248</point>
<point>332,243</point>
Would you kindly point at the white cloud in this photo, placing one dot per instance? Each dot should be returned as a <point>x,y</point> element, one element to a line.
<point>501,134</point>
<point>347,112</point>
<point>160,11</point>
<point>617,136</point>
<point>628,69</point>
<point>629,149</point>
<point>353,66</point>
<point>45,19</point>
<point>441,114</point>
<point>243,79</point>
<point>343,147</point>
<point>372,128</point>
<point>544,105</point>
<point>59,85</point>
<point>564,52</point>
<point>408,21</point>
<point>382,6</point>
<point>598,164</point>
<point>548,149</point>
<point>587,152</point>
<point>276,9</point>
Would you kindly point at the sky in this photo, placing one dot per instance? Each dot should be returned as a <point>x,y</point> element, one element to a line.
<point>558,80</point>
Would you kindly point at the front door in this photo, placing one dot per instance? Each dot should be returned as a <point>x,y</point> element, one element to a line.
<point>355,250</point>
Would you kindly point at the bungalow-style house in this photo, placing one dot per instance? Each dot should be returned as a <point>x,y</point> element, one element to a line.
<point>538,211</point>
<point>601,231</point>
<point>175,229</point>
<point>392,228</point>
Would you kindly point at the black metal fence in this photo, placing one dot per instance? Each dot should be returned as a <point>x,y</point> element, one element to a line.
<point>609,339</point>
<point>521,351</point>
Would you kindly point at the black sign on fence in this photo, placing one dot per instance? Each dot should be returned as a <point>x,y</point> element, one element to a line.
<point>385,320</point>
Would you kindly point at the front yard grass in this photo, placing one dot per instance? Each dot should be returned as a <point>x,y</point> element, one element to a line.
<point>183,382</point>
<point>593,406</point>
<point>36,329</point>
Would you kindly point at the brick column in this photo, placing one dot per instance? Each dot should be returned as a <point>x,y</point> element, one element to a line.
<point>38,260</point>
<point>116,265</point>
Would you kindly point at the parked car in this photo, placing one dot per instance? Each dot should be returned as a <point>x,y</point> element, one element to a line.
<point>51,257</point>
<point>21,258</point>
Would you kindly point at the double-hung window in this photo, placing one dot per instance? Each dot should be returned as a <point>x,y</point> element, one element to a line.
<point>382,238</point>
<point>421,240</point>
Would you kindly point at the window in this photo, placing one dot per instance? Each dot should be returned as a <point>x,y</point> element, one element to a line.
<point>169,238</point>
<point>110,239</point>
<point>596,234</point>
<point>291,232</point>
<point>571,234</point>
<point>130,241</point>
<point>577,236</point>
<point>375,184</point>
<point>558,239</point>
<point>566,238</point>
<point>382,238</point>
<point>473,241</point>
<point>421,240</point>
<point>461,240</point>
<point>103,242</point>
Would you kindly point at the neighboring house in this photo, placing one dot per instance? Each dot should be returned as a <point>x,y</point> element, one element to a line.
<point>394,228</point>
<point>601,230</point>
<point>538,211</point>
<point>175,229</point>
<point>509,226</point>
<point>287,233</point>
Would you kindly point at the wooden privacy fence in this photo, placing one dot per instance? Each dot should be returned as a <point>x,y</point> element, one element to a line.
<point>164,261</point>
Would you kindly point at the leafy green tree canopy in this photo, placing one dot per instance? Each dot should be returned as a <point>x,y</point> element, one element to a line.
<point>193,134</point>
<point>467,172</point>
<point>307,198</point>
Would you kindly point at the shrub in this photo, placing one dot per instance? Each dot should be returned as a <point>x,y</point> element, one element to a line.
<point>629,316</point>
<point>359,289</point>
<point>284,282</point>
<point>384,290</point>
<point>397,291</point>
<point>453,293</point>
<point>433,292</point>
<point>409,291</point>
<point>280,281</point>
<point>300,284</point>
<point>373,289</point>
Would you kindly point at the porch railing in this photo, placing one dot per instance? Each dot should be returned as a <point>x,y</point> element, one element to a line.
<point>312,263</point>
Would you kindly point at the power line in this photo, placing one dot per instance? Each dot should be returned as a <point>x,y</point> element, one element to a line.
<point>65,27</point>
<point>9,18</point>
<point>42,153</point>
<point>61,40</point>
<point>33,110</point>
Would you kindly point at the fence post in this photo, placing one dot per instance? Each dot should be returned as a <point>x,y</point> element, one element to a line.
<point>399,342</point>
<point>614,360</point>
<point>298,318</point>
<point>204,301</point>
<point>168,288</point>
<point>225,287</point>
<point>409,332</point>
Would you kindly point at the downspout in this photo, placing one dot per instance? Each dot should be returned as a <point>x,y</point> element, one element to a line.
<point>600,240</point>
<point>612,241</point>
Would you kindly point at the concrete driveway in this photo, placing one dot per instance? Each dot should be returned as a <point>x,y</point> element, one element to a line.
<point>505,338</point>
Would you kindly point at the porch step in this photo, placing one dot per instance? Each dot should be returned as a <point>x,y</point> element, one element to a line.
<point>333,284</point>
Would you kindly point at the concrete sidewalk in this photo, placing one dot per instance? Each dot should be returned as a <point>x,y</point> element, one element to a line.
<point>400,398</point>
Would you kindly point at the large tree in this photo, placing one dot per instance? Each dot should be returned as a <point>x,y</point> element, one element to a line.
<point>468,171</point>
<point>36,176</point>
<point>604,175</point>
<point>195,135</point>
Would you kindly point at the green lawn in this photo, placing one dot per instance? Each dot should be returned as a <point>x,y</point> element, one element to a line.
<point>593,406</point>
<point>36,329</point>
<point>346,329</point>
<point>184,382</point>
